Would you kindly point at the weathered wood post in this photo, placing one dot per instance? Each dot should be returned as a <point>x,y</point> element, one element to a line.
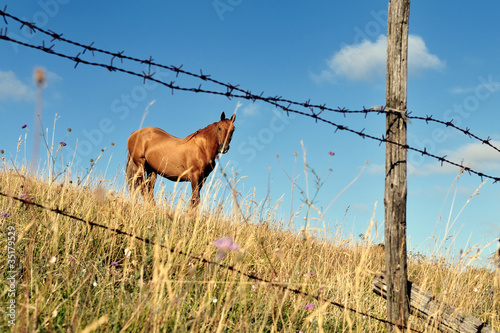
<point>395,163</point>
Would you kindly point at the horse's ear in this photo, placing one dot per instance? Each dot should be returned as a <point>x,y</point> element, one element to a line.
<point>233,117</point>
<point>222,116</point>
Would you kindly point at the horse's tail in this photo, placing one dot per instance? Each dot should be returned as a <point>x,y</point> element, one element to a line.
<point>131,174</point>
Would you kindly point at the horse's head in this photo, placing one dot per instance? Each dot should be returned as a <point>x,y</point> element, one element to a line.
<point>225,129</point>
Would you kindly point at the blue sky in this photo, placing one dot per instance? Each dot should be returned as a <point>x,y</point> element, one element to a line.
<point>330,53</point>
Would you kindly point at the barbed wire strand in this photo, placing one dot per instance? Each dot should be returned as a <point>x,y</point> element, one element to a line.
<point>116,231</point>
<point>171,85</point>
<point>178,70</point>
<point>229,87</point>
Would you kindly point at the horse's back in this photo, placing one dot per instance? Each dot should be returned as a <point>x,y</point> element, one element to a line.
<point>153,133</point>
<point>150,139</point>
<point>149,134</point>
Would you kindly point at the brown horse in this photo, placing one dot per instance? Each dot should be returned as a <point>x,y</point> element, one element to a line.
<point>152,152</point>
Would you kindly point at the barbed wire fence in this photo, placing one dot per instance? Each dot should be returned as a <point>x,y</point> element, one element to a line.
<point>228,90</point>
<point>234,91</point>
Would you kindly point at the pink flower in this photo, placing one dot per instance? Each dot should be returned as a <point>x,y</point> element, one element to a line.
<point>225,245</point>
<point>5,214</point>
<point>114,263</point>
<point>309,306</point>
<point>331,153</point>
<point>62,143</point>
<point>24,126</point>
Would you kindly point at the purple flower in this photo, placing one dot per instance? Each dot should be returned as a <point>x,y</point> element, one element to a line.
<point>309,306</point>
<point>331,153</point>
<point>23,197</point>
<point>24,126</point>
<point>71,259</point>
<point>5,214</point>
<point>114,263</point>
<point>224,245</point>
<point>62,143</point>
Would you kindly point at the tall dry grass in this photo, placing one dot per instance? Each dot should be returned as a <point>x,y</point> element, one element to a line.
<point>73,277</point>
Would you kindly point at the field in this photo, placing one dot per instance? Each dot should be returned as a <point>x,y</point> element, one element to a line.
<point>205,271</point>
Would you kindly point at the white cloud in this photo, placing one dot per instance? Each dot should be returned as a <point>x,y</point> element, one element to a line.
<point>487,84</point>
<point>52,77</point>
<point>482,157</point>
<point>477,156</point>
<point>375,169</point>
<point>366,61</point>
<point>460,90</point>
<point>251,109</point>
<point>363,208</point>
<point>419,56</point>
<point>11,88</point>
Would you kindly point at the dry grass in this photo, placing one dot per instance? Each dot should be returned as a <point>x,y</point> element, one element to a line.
<point>72,277</point>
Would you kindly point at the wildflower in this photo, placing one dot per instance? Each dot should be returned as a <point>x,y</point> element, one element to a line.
<point>112,144</point>
<point>62,143</point>
<point>127,252</point>
<point>331,153</point>
<point>69,129</point>
<point>5,214</point>
<point>71,259</point>
<point>23,197</point>
<point>24,126</point>
<point>94,284</point>
<point>114,263</point>
<point>52,260</point>
<point>40,76</point>
<point>1,151</point>
<point>309,306</point>
<point>214,300</point>
<point>225,245</point>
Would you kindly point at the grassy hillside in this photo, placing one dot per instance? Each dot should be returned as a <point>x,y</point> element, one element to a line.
<point>74,277</point>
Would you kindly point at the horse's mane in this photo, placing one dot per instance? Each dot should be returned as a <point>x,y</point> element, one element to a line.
<point>190,136</point>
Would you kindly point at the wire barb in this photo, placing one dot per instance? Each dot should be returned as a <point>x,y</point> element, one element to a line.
<point>3,12</point>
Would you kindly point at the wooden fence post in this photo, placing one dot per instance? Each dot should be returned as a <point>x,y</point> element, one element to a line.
<point>395,164</point>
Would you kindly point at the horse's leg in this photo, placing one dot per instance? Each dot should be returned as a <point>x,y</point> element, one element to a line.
<point>196,184</point>
<point>150,183</point>
<point>139,177</point>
